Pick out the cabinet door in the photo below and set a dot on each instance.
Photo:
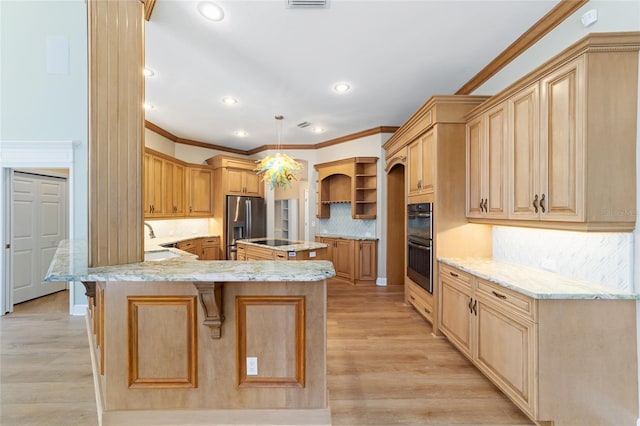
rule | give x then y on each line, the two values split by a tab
523	148
328	253
456	302
252	184
343	258
235	183
155	190
562	143
428	163
367	264
200	192
495	183
505	352
146	208
474	168
173	189
414	154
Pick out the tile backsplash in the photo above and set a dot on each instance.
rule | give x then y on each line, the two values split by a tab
341	223
604	258
178	227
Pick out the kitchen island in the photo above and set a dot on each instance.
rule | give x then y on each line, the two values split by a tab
280	249
176	340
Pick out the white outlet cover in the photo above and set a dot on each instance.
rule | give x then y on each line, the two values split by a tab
252	366
589	18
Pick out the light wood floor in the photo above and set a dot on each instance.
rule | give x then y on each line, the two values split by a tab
384	367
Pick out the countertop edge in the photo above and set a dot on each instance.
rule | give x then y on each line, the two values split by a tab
574	288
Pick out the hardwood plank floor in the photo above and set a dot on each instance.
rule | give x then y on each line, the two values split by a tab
384	367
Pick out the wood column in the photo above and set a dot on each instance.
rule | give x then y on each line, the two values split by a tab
116	126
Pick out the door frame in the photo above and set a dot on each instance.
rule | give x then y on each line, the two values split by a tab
31	154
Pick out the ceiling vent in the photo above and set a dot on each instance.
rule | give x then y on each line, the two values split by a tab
303	124
307	4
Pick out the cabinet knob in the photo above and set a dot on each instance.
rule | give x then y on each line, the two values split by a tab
535	203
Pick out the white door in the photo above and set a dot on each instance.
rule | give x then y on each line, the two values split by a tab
39	223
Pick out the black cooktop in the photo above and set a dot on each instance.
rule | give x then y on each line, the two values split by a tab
272	242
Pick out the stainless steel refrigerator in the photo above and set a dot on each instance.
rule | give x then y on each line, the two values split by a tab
246	218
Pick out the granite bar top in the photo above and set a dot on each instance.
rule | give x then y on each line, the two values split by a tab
70	264
294	246
533	282
155	244
348	237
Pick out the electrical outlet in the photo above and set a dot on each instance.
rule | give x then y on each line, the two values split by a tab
312	254
252	366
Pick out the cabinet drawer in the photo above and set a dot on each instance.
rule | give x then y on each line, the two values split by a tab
185	245
506	300
280	255
418	299
456	275
211	241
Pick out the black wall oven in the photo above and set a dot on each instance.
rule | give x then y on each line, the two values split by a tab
419	247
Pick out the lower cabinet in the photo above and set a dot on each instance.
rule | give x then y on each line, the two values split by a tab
210	248
420	299
355	261
205	248
552	357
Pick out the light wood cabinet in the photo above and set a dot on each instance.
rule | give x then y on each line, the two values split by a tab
236	175
193	246
210	248
199	191
353	260
545	354
421	165
571	140
486	164
154	190
351	180
421	300
175	189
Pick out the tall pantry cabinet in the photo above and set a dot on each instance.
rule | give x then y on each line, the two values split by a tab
434	139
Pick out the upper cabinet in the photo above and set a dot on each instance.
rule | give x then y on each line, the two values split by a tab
486	164
569	153
236	175
421	159
351	180
175	189
199	191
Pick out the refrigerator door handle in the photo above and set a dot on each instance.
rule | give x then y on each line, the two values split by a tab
248	218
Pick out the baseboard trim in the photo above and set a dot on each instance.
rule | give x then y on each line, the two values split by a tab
78	310
381	281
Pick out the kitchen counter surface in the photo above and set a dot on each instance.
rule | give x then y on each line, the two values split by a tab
533	282
156	244
348	237
294	246
70	264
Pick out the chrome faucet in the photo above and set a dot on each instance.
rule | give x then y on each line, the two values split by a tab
151	233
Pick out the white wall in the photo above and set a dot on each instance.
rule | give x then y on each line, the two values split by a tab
39	106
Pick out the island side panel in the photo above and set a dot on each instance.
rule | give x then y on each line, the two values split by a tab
160	355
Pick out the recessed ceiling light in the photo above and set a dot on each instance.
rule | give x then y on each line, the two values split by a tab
148	72
241	133
317	129
147	105
228	100
341	87
211	11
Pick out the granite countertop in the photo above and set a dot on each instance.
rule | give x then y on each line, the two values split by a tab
348	237
70	264
294	246
533	282
156	244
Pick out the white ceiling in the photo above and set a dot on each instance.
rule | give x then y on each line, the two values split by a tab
277	60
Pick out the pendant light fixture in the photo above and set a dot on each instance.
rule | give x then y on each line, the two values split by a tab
278	169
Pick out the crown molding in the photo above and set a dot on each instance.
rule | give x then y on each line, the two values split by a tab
369	132
548	22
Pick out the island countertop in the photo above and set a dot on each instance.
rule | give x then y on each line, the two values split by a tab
533	282
70	264
294	246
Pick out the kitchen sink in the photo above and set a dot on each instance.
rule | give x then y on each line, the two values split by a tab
159	255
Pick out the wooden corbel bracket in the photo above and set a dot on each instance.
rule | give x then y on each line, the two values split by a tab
210	296
90	290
